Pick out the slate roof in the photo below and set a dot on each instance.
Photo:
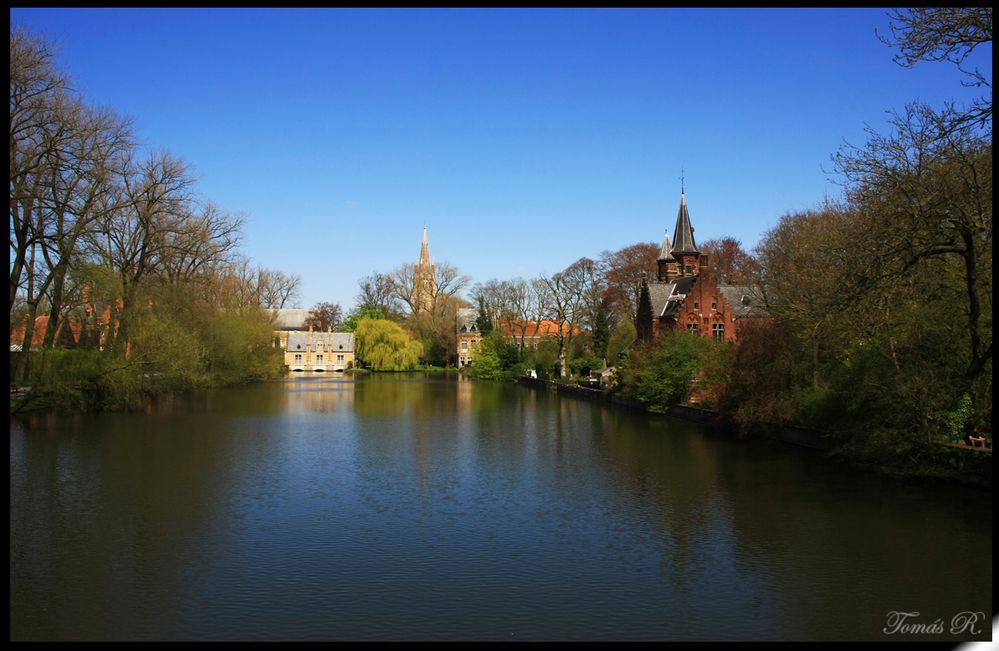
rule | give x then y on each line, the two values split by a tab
678	290
664	253
465	318
336	342
290	318
744	300
683	234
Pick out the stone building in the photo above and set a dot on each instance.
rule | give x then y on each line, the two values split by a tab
319	351
684	295
467	334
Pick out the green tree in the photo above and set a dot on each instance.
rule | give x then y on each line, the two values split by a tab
664	373
621	337
350	322
384	345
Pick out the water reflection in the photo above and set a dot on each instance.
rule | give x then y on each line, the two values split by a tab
432	507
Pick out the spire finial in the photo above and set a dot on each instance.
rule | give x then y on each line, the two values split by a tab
681	180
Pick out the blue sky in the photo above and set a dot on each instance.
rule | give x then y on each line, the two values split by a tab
523	138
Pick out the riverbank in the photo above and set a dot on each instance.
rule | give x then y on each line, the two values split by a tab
966	466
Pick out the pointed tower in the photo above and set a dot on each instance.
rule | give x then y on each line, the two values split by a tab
424	280
685	253
666	261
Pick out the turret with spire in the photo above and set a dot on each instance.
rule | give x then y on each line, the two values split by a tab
666	261
684	250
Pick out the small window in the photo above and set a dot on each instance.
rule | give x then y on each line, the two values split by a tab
298	346
693	327
714	304
697	305
718	331
341	346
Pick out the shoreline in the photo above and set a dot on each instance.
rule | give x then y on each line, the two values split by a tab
977	462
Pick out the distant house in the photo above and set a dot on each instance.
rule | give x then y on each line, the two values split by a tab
319	351
531	333
685	296
467	334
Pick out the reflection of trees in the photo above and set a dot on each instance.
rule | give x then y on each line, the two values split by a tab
389	394
109	516
824	531
777	535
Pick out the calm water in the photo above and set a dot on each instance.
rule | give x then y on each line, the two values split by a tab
397	507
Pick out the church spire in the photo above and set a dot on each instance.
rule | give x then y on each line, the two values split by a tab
425	249
683	234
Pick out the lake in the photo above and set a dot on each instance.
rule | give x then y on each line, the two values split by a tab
407	507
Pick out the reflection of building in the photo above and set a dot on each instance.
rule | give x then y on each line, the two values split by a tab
424	281
468	335
319	351
285	321
684	295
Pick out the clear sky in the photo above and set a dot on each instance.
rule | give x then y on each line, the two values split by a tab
523	138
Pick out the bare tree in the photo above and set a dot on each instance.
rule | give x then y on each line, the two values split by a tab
568	297
37	129
202	239
134	238
80	181
378	292
448	281
946	34
276	288
324	316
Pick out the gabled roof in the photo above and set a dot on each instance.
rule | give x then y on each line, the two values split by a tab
658	296
683	234
336	342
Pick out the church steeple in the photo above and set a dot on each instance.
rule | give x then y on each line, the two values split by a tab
425	249
424	279
684	248
683	234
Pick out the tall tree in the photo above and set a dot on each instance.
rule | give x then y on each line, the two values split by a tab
728	263
947	34
622	271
